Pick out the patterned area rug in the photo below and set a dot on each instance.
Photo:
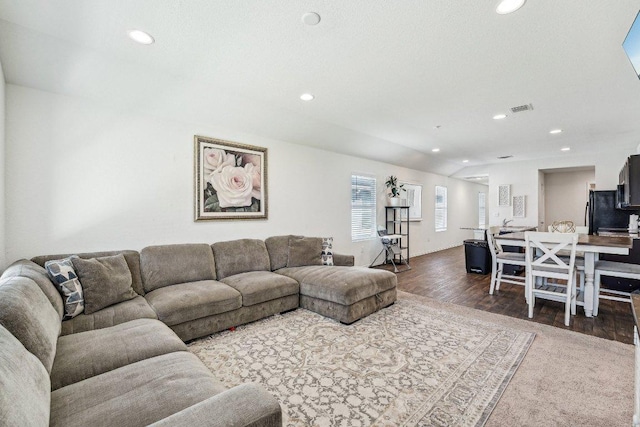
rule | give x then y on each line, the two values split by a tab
406	365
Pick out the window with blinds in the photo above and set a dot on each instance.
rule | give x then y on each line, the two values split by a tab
482	209
441	208
363	207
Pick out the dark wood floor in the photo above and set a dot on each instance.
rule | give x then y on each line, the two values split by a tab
442	276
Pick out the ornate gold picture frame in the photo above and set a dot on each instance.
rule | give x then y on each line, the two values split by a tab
230	180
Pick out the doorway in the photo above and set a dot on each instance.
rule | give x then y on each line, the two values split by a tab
565	194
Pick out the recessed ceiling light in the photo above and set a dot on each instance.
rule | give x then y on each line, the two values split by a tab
499	116
435	150
465	161
509	6
555	131
565	149
140	37
311	18
306	97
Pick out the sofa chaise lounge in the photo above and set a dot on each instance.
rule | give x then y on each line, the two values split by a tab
126	364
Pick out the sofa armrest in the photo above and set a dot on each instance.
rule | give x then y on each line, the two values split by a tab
343	260
246	405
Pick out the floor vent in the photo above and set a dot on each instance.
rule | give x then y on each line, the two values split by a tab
520	108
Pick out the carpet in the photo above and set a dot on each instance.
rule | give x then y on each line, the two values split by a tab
566	379
406	365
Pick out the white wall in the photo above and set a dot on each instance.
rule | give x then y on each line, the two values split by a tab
524	178
566	195
82	177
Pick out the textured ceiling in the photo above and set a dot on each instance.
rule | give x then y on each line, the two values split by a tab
384	74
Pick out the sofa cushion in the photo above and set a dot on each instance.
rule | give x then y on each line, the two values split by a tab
25	395
327	251
39	275
342	285
188	301
240	256
172	264
105	281
27	313
136	308
132	257
135	395
87	354
304	251
261	286
247	404
64	276
278	248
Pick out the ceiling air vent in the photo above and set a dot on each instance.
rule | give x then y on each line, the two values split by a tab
505	157
521	108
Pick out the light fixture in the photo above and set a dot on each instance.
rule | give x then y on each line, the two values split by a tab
465	161
509	6
306	97
435	150
311	18
499	116
565	149
140	37
555	131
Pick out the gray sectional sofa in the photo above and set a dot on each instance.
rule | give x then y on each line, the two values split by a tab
126	364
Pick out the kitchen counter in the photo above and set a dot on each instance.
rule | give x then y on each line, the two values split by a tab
517	228
635	308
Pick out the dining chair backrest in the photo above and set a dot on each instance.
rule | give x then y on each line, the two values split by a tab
494	247
582	229
563	227
543	253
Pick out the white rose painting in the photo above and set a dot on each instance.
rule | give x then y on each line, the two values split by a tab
231	180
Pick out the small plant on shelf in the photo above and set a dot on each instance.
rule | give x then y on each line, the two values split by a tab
394	190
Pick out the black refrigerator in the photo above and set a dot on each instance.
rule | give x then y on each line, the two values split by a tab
602	212
603	215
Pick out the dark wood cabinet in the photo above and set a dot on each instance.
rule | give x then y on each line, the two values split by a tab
629	180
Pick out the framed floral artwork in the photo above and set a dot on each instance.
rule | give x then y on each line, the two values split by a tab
230	180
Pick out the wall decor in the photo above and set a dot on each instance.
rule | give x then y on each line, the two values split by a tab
413	196
230	180
519	207
504	195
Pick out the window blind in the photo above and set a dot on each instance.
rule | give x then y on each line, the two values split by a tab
441	208
482	209
363	207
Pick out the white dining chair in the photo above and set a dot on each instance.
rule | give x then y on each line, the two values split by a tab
612	269
579	229
544	263
500	258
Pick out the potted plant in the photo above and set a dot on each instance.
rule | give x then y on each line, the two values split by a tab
394	190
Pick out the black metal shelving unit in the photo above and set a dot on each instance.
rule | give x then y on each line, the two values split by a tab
397	222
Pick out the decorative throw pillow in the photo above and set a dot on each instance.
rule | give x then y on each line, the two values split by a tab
105	281
327	251
304	251
65	278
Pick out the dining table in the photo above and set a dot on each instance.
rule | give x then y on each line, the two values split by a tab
592	246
